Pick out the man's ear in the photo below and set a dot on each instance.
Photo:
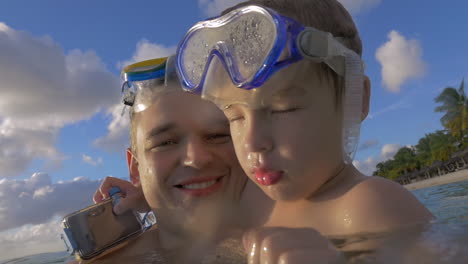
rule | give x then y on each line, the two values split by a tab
366	98
132	164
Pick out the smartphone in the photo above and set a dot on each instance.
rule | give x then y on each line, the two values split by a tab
96	229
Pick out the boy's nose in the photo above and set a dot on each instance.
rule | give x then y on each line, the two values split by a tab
197	155
257	137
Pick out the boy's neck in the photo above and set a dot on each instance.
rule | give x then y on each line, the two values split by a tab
311	212
345	177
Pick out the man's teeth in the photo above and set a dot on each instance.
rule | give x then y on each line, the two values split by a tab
201	185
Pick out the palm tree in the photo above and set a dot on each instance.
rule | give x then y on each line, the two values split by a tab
405	159
454	104
435	146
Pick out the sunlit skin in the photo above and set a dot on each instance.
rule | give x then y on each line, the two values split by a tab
293	142
254	207
175	149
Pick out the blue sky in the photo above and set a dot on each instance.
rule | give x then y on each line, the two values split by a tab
60	124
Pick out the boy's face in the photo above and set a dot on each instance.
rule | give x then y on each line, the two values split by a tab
185	158
292	143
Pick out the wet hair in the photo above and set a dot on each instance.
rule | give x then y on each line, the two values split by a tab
132	131
325	15
173	81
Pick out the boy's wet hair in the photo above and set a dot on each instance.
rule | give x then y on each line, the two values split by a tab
325	15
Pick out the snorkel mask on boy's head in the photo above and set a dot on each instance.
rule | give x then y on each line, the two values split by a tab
227	59
145	80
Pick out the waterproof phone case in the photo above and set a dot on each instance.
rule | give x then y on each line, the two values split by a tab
95	229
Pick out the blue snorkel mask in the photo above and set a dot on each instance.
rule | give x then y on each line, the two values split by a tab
227	59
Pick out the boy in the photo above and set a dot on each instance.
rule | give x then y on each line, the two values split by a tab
295	96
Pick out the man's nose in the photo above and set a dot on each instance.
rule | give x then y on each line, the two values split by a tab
197	154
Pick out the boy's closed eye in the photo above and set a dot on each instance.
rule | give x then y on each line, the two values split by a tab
233	115
235	118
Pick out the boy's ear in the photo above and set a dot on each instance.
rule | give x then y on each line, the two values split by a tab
366	98
132	164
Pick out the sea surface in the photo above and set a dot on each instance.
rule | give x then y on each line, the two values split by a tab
445	241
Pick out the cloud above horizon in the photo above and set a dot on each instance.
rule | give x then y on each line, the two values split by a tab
401	60
367	166
37	200
31	239
91	161
117	138
43	89
146	50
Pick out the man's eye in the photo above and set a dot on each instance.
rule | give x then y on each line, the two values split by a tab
219	138
158	146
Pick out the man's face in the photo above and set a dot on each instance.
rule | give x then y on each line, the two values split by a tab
291	143
185	157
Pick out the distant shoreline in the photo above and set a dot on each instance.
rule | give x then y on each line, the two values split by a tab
444	179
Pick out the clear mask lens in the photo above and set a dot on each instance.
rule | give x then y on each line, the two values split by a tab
242	38
144	82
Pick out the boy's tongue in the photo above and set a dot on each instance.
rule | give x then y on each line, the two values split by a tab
267	177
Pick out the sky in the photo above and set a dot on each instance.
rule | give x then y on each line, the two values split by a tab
61	128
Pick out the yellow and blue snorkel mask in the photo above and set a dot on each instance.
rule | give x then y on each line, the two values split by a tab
246	46
144	81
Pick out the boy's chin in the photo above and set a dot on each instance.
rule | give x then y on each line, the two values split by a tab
283	192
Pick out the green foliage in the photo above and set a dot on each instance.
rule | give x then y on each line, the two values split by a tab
454	105
436	146
404	161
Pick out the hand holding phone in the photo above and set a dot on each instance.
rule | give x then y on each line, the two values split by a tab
96	229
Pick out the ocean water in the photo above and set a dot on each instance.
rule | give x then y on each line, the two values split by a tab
443	241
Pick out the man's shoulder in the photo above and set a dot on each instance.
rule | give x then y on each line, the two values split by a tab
131	251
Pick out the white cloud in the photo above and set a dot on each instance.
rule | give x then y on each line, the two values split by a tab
146	50
89	160
357	6
118	136
36	200
42	192
367	166
31	239
19	146
401	60
389	150
44	89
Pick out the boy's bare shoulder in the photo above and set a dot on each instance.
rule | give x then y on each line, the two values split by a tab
377	204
